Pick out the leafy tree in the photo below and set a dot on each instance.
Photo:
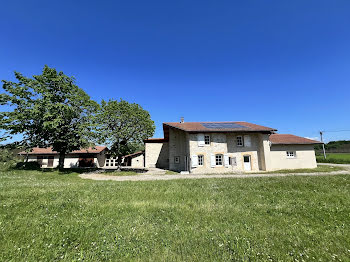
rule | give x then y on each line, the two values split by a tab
48	110
122	126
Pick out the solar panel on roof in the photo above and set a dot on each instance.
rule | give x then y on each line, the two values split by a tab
222	125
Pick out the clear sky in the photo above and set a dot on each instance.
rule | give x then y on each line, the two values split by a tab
283	64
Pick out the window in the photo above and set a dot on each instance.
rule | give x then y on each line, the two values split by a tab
239	141
177	160
107	162
247	141
218	160
232	161
200	160
290	154
207	140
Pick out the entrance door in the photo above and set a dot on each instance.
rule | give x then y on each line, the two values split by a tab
50	161
247	165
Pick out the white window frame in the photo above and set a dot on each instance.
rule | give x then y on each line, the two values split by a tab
205	140
291	154
239	138
216	159
200	160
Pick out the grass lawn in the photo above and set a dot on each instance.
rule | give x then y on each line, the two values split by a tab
337	158
308	170
47	216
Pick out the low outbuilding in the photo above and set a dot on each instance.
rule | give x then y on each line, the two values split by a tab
88	157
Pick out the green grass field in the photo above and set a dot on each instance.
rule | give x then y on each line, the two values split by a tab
47	216
337	158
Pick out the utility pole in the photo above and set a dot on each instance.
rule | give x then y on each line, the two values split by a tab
324	151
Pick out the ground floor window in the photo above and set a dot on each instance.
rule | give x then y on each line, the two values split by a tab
111	161
218	159
177	160
290	154
232	161
200	160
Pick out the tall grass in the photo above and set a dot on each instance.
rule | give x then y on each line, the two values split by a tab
336	158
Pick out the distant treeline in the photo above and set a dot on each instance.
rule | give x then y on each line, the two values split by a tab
341	146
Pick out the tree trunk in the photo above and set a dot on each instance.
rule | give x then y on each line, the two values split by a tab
119	161
61	160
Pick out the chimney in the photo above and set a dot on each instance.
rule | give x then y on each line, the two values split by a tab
182	120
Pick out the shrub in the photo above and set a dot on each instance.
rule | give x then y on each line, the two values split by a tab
28	165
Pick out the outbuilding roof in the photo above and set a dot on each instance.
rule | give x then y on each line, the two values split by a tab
287	139
134	154
219	127
49	151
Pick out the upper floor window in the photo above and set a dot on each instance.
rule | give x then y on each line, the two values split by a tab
200	160
239	141
291	154
207	140
218	160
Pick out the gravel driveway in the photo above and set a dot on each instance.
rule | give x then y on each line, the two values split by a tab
150	177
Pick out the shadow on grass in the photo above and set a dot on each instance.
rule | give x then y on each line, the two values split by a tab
34	166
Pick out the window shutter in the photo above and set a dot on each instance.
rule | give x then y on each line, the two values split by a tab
247	141
194	161
212	160
226	161
200	139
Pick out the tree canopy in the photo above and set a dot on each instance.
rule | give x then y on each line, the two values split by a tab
49	110
122	126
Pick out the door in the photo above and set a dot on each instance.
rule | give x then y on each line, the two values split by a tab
50	161
247	165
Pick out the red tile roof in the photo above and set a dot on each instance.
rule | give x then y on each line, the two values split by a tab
198	127
284	139
48	151
134	154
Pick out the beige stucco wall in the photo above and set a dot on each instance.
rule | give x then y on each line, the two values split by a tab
305	157
178	147
264	152
224	143
157	155
138	161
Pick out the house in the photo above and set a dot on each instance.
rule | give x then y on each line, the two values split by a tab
89	157
135	160
219	147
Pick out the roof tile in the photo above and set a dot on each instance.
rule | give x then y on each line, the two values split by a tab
198	127
285	139
48	150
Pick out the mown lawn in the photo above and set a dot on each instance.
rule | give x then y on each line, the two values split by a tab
318	169
46	216
337	158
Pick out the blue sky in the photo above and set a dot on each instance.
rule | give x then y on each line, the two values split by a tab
283	64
